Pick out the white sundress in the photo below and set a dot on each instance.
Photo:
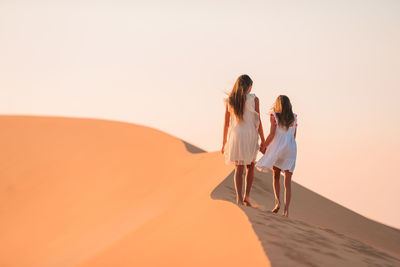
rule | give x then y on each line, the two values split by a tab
282	150
242	145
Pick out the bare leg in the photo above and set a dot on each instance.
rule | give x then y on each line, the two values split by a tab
277	188
288	192
238	183
249	182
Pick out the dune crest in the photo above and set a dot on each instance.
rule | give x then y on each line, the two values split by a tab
88	192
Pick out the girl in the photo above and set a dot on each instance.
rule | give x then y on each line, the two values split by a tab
280	149
240	143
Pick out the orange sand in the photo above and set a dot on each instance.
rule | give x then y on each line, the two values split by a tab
102	193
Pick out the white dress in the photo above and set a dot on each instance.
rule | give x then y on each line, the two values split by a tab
282	151
242	145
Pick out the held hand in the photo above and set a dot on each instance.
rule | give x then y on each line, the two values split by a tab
263	147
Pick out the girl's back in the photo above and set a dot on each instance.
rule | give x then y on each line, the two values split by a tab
283	133
281	150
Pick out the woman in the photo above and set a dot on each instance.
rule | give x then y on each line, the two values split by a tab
241	130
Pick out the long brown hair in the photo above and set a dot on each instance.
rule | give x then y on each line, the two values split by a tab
283	110
237	97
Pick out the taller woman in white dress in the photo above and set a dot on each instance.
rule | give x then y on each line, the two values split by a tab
281	149
241	130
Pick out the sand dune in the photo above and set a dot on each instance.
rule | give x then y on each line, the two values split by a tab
88	192
102	193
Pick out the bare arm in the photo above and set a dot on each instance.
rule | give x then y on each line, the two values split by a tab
260	128
226	126
271	135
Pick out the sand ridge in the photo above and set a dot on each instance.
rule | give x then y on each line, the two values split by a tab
87	192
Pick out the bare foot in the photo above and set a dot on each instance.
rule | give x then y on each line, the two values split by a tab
247	203
239	202
276	209
286	213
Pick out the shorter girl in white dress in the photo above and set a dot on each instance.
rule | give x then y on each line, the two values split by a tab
280	149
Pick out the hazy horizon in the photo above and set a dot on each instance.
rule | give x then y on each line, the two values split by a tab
168	65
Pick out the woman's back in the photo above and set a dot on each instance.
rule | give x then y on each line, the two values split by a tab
250	116
242	145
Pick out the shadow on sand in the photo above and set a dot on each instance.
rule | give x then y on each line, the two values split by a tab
294	242
193	149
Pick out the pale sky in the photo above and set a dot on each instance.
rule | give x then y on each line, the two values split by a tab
167	64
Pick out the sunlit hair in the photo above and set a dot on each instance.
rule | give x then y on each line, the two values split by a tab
237	97
283	110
